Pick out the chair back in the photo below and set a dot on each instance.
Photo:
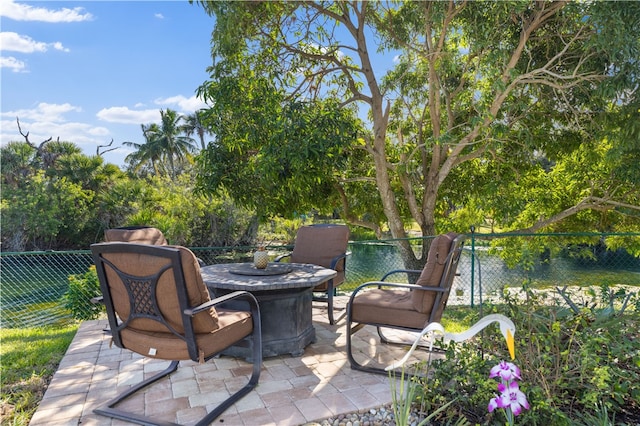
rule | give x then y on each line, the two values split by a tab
146	291
439	271
136	234
320	245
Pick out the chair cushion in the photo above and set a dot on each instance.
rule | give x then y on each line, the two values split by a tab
432	272
392	307
319	244
145	235
233	326
142	265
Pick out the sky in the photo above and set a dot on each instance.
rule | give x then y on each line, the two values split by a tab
89	72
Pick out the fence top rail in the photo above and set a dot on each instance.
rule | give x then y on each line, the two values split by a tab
368	242
510	234
47	252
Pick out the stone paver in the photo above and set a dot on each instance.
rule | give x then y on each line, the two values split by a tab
292	390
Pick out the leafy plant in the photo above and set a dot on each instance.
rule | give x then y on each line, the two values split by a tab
404	395
571	360
82	288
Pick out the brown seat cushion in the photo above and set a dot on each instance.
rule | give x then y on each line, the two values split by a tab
151	236
319	245
233	326
392	307
432	273
143	265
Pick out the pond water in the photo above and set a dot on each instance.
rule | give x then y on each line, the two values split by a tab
33	283
370	261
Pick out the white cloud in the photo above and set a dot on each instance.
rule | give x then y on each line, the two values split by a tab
44	112
15	42
159	15
58	46
24	12
128	116
48	121
12	63
184	105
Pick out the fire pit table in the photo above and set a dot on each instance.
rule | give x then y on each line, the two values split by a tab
284	293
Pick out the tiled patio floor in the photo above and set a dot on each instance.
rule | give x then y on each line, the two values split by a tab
291	391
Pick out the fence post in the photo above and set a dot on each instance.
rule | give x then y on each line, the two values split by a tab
473	259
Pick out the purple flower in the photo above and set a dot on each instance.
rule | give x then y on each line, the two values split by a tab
505	370
510	398
513	398
500	401
495	403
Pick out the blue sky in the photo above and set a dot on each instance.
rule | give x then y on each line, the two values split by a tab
92	71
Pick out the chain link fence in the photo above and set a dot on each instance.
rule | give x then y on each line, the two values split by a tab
32	285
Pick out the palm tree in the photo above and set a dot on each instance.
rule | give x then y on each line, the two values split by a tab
17	162
175	146
164	144
193	125
146	154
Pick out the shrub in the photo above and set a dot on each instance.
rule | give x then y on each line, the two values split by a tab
77	299
575	360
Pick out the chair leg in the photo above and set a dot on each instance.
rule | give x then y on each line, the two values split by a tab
332	319
256	356
256	343
109	410
355	365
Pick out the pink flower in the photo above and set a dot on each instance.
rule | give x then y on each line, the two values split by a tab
505	370
513	398
510	398
500	401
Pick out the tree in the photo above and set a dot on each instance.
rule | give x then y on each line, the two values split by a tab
500	87
193	125
147	154
164	144
272	156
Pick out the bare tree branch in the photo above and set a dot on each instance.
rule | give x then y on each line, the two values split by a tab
99	154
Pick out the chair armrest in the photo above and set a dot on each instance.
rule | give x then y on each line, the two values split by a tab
336	259
242	295
282	256
399	271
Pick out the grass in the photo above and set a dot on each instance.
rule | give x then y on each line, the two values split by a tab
29	359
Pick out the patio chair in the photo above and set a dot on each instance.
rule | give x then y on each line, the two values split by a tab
158	306
136	234
401	306
324	245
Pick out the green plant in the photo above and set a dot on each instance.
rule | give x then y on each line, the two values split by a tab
405	394
599	418
572	360
582	355
82	288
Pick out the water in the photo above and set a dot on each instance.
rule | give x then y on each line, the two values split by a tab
370	261
32	284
